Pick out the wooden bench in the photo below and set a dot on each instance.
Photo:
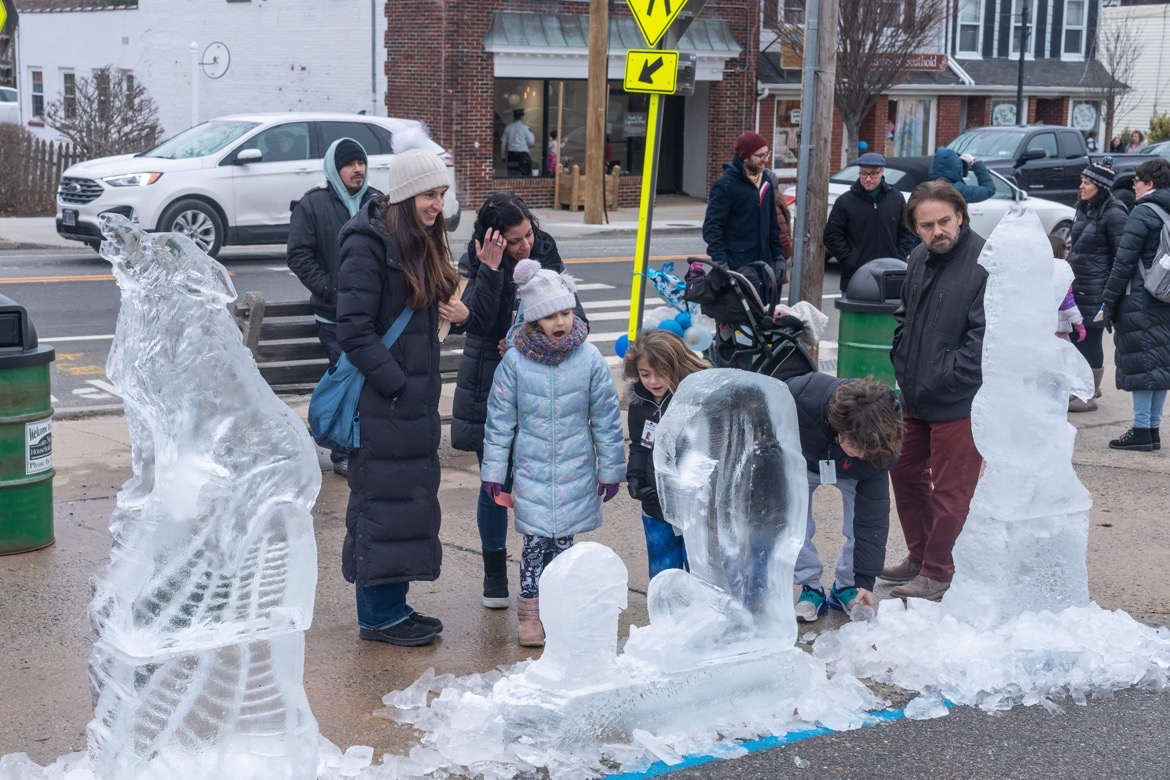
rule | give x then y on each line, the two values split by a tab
571	188
282	337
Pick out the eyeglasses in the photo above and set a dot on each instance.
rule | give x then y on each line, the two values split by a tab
871	174
764	155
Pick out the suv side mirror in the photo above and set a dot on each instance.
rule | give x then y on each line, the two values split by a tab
246	156
1032	154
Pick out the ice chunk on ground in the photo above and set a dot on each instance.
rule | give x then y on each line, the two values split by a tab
926	707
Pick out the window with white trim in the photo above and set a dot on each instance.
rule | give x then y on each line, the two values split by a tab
1075	12
69	93
1018	26
970	28
37	80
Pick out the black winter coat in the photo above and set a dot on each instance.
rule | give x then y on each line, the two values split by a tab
392	523
938	340
818	441
1096	234
740	226
314	244
860	229
490	298
640	467
1141	323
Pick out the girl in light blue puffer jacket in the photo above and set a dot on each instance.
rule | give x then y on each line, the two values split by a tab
553	404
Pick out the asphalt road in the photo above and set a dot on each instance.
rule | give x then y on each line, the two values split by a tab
73	299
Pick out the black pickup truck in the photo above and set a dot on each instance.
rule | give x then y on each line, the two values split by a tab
1045	160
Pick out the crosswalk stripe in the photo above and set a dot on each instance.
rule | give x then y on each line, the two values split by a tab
594	286
649	303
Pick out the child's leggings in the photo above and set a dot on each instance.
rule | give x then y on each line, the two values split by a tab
538	552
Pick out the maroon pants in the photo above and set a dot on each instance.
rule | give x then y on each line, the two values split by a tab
934	481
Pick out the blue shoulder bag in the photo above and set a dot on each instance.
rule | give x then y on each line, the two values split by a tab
333	409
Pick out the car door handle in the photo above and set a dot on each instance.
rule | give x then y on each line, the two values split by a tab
303	170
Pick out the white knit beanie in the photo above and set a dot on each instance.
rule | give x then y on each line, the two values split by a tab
416	168
543	292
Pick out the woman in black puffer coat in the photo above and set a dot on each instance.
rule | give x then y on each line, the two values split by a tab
1141	322
505	233
1096	235
394	255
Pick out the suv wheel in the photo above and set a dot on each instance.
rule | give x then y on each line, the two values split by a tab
1063	231
197	221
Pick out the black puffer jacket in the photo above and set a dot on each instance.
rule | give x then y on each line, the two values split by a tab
938	341
314	244
392	523
818	441
1096	235
640	466
740	225
491	298
862	227
1141	323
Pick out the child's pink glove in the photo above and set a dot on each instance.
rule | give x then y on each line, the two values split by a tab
607	490
1080	330
493	489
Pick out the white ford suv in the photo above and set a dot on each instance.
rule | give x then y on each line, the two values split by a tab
227	181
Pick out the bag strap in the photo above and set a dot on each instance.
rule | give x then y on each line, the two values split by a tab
397	328
1162	247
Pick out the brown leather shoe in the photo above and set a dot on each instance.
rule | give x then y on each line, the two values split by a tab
902	572
921	587
531	629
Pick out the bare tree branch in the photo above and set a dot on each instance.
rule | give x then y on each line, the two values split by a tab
110	113
1118	50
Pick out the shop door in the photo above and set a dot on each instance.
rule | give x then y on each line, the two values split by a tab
670	152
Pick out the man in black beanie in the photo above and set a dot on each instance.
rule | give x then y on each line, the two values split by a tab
313	247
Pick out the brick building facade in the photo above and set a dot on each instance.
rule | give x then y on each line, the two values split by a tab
475	62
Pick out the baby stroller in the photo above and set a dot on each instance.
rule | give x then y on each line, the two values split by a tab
750	335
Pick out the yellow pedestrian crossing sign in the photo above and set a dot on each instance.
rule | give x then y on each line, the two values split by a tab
651	70
654	17
3	14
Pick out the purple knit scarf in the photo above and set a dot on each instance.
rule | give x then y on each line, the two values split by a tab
534	345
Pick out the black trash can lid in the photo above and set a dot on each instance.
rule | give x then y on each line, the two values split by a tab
18	338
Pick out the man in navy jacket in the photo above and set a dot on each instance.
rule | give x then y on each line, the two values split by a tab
741	225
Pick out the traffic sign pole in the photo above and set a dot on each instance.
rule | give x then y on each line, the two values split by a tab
645	213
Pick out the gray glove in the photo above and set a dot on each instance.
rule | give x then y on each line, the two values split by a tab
968	158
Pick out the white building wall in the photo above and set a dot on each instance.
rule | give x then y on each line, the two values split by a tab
291	55
1151	76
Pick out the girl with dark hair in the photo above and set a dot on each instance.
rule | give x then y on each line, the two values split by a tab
505	233
1096	234
395	263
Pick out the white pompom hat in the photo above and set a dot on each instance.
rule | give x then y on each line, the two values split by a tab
416	168
543	292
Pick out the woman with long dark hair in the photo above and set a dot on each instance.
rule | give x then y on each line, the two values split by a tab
1096	234
505	233
394	256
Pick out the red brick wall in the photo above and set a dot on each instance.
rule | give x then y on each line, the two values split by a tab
978	111
950	118
1052	111
873	126
767	118
439	73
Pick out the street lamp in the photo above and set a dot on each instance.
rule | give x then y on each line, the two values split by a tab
1021	113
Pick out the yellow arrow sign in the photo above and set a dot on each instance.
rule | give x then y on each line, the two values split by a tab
651	70
654	17
3	14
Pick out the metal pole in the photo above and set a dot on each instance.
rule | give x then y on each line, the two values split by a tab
646	214
194	49
1021	112
804	157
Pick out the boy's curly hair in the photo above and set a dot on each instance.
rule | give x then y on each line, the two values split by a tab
868	414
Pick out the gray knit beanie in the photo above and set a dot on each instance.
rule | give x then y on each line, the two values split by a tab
543	292
416	168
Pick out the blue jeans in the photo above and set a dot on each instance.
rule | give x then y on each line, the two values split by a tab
664	548
1147	408
492	518
382	606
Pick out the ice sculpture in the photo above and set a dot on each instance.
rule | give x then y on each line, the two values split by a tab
197	670
1025	539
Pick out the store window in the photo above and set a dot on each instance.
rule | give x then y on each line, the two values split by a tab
547	104
37	77
1086	116
908	127
1074	28
786	136
970	27
1003	112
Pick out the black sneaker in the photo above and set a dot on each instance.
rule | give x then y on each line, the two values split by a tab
1156	436
1138	439
341	467
426	620
408	633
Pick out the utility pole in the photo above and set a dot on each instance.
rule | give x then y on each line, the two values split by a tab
816	139
1025	30
595	111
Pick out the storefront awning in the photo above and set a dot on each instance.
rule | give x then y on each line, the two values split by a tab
557	45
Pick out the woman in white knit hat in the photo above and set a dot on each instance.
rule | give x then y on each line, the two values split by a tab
396	267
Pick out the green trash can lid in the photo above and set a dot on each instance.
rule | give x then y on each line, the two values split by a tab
18	338
875	287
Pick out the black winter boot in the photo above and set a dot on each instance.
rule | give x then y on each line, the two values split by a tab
1138	439
1157	439
495	579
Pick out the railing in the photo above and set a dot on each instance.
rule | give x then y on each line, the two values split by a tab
33	169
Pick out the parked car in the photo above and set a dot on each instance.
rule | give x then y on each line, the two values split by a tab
1045	160
9	105
906	173
1162	149
227	181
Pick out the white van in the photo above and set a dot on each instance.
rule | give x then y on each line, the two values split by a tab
227	181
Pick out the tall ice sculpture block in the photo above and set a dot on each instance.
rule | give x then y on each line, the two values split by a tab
1023	546
198	665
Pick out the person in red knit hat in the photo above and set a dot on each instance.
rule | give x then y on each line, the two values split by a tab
741	225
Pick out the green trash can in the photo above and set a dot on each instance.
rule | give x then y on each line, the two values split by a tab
865	331
26	434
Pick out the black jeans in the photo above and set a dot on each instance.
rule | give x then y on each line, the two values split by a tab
1091	347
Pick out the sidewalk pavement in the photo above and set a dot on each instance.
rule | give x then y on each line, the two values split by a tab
671	213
